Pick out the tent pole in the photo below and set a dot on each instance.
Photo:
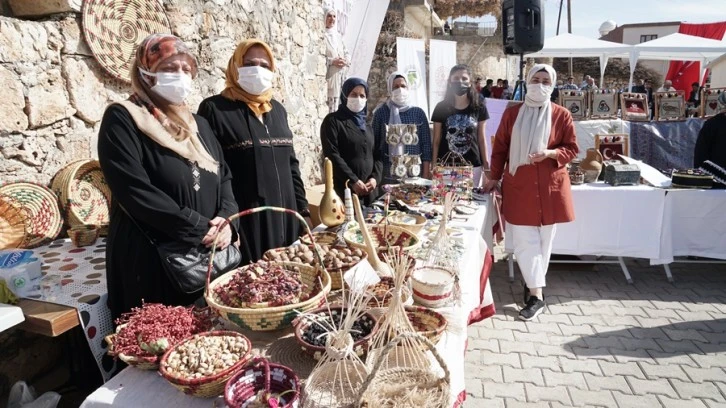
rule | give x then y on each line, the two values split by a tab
569	27
559	17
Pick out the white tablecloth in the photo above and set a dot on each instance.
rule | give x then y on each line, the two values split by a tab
137	388
613	221
694	224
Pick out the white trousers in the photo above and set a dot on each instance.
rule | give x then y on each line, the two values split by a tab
532	247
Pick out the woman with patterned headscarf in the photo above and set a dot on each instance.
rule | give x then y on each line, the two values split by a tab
257	141
534	142
336	58
349	143
166	173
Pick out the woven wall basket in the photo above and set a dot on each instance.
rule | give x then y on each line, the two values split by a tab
41	206
113	29
13	222
84	196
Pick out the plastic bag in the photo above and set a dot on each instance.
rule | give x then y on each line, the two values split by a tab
24	396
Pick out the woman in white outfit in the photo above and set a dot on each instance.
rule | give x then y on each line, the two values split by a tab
336	58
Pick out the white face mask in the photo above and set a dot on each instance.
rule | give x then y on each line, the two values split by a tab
255	80
172	86
400	96
356	104
538	94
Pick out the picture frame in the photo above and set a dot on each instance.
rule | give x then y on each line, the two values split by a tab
603	104
634	106
575	102
709	101
670	106
613	144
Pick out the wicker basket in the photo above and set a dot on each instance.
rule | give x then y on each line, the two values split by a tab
433	286
396	237
304	322
83	193
398	221
13	224
336	274
83	235
40	205
142	363
261	375
207	386
323	391
277	317
427	322
320	237
397	386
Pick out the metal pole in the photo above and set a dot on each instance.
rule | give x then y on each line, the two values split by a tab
559	17
569	26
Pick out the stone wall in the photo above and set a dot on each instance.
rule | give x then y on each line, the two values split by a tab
55	92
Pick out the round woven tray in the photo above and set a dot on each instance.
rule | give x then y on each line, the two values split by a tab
83	193
41	205
394	236
261	375
113	29
13	221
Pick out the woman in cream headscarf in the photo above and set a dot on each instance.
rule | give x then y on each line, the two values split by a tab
533	144
166	174
258	146
336	59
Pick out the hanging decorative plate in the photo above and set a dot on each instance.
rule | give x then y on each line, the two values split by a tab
113	29
83	194
41	204
12	224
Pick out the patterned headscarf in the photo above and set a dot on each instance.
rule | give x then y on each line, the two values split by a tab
259	104
178	130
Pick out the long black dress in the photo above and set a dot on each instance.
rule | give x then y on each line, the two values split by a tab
156	186
265	169
711	142
355	154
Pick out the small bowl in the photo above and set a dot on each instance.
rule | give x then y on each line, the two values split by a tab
84	235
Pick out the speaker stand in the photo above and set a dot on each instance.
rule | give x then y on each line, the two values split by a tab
520	90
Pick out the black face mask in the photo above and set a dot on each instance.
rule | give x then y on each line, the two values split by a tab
460	88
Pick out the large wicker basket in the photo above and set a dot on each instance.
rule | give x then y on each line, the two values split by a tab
360	347
83	194
206	386
277	317
40	205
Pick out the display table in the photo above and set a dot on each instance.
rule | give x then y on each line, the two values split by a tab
133	387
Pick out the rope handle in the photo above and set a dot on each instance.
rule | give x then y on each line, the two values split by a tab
210	266
386	350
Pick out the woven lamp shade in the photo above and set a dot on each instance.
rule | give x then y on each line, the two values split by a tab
113	29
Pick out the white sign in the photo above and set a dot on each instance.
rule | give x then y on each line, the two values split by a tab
412	62
441	59
362	26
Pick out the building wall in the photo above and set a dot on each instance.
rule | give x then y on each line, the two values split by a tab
718	74
631	36
55	92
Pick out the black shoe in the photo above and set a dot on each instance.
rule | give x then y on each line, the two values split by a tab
534	307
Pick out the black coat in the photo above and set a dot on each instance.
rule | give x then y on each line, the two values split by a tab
265	169
711	142
156	186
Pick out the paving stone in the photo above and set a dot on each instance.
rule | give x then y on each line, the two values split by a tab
681	346
679	403
659	386
692	390
582	330
599	341
609	383
580	366
701	307
630	369
664	358
587	319
474	387
705	374
511	403
658	371
714	338
511	359
518	375
653	322
628	311
549	362
640	356
519	326
558	394
640	344
540	338
564	310
670	305
712	404
571	379
694	316
622	321
515	391
583	398
484	344
593	353
489	334
537	327
636	401
554	318
523	347
662	313
590	310
485	372
547	350
473	402
695	335
648	333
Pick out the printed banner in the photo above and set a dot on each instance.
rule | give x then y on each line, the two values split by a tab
442	56
362	26
412	62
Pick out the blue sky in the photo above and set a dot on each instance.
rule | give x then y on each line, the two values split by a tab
587	15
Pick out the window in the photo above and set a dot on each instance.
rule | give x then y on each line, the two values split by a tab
648	37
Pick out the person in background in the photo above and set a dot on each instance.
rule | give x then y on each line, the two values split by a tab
350	144
252	128
478	85
570	85
585	81
447	28
649	92
667	86
590	84
167	174
711	142
460	122
507	92
533	144
639	87
695	98
555	97
498	90
396	110
337	59
487	90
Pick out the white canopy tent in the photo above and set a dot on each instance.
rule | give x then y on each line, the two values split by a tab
570	45
677	47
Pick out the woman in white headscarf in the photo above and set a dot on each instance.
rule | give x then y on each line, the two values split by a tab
533	144
397	110
336	59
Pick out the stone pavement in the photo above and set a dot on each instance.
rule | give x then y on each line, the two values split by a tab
602	342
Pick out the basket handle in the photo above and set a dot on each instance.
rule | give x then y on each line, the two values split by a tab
386	350
261	361
241	214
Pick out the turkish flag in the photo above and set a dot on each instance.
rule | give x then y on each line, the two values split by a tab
684	73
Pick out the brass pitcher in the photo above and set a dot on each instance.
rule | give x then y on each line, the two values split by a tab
332	212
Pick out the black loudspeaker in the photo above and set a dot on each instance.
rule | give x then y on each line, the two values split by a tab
522	26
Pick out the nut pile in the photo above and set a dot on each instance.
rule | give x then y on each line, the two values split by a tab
204	356
315	333
261	283
333	257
